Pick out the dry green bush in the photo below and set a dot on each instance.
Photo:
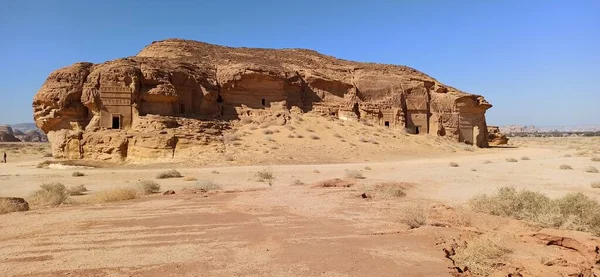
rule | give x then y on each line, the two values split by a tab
76	190
596	159
591	169
415	216
265	175
51	194
78	174
487	162
525	158
453	164
115	194
574	211
480	255
148	187
353	174
314	137
565	167
207	185
511	160
169	174
596	184
9	206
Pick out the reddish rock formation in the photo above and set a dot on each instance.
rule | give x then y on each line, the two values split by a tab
7	134
103	110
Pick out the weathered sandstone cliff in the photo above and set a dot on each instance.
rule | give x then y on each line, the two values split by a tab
180	93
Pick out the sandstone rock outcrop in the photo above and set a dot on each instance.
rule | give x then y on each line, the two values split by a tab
7	134
189	90
495	137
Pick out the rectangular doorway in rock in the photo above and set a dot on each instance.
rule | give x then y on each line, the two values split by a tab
116	121
182	107
263	102
417	130
387	124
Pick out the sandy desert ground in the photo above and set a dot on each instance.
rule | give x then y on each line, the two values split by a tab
296	227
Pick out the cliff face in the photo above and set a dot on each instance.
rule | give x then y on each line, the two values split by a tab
199	81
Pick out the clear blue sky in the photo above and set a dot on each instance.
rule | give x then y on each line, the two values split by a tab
537	62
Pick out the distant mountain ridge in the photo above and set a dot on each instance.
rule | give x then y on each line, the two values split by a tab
507	129
24	132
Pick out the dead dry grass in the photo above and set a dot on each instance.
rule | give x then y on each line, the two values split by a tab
76	190
353	174
207	185
591	169
595	159
190	178
574	211
169	174
78	174
9	206
453	164
334	183
511	160
49	195
596	185
480	255
147	187
565	167
415	216
265	175
114	195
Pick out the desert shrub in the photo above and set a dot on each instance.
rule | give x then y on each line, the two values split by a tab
9	206
310	130
567	155
229	158
190	178
353	174
267	132
268	138
596	159
565	167
207	185
77	174
316	171
334	183
393	191
113	195
473	169
487	162
525	158
480	255
51	194
337	135
44	164
368	168
291	136
314	137
591	169
363	140
214	172
415	217
453	164
265	175
511	160
76	190
574	211
596	184
169	174
297	183
299	136
148	187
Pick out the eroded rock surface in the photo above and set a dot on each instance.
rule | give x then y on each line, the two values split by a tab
7	134
495	137
180	93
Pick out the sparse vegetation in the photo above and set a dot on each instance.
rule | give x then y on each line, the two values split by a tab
574	211
565	167
267	132
525	158
297	183
511	160
314	137
78	174
51	194
453	164
591	169
113	195
169	174
76	190
337	135
368	168
47	155
265	175
596	159
299	136
9	206
316	171
567	155
189	179
229	158
487	162
44	164
207	185
415	217
268	138
310	130
480	255
149	187
353	174
214	172
596	184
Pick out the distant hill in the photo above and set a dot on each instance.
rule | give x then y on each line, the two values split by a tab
24	126
25	132
508	129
